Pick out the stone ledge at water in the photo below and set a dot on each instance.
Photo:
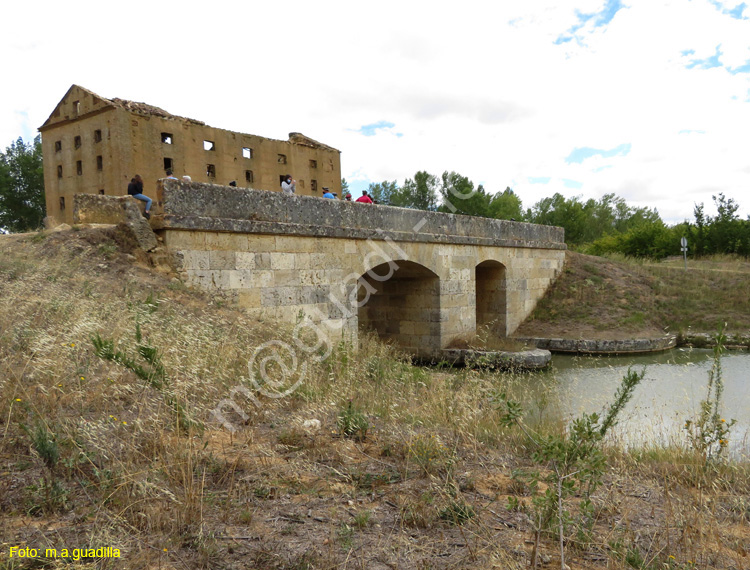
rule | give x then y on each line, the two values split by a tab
583	346
534	359
737	341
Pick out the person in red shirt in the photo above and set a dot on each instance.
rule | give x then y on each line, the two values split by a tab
364	198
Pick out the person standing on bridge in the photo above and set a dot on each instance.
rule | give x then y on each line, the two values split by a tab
364	198
288	185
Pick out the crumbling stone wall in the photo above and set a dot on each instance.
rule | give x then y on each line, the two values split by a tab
125	210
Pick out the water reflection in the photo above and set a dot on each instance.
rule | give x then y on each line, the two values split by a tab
671	391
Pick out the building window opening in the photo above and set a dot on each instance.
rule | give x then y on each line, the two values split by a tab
282	159
99	163
247	152
98	135
301	184
62	203
101	191
314	185
76	107
211	171
58	146
209	145
79	167
77	142
249	176
168	164
313	164
59	170
166	138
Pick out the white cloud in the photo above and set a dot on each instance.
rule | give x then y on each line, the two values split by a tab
474	87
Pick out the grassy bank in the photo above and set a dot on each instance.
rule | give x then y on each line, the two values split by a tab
597	297
109	372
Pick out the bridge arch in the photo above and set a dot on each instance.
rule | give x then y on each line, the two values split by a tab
491	301
401	303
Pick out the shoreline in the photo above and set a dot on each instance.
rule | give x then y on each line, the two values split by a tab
606	347
539	355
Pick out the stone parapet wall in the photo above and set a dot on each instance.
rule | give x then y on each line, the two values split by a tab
219	208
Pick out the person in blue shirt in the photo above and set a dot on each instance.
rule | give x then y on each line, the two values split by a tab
328	194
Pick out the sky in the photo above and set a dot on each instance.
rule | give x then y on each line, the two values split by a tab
647	99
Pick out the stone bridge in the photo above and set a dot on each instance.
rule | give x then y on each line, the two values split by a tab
423	280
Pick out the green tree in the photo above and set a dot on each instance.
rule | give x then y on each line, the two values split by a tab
460	197
344	187
22	186
419	193
723	233
698	232
586	222
385	192
726	231
563	212
506	205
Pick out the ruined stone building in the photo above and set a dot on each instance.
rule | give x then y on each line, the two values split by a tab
95	145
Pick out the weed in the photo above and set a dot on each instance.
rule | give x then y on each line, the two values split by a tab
371	481
515	505
362	519
457	512
419	512
346	536
38	237
352	423
263	492
48	496
708	434
177	285
152	372
150	305
107	250
428	452
44	443
576	465
292	438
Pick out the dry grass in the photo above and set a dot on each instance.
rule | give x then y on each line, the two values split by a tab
280	492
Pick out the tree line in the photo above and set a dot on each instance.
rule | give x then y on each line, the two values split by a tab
598	227
22	186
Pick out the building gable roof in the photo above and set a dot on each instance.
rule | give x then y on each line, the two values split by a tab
99	103
76	92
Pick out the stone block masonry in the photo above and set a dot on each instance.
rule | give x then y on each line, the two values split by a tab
98	209
419	279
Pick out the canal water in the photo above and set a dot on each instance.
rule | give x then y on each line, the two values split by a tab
674	385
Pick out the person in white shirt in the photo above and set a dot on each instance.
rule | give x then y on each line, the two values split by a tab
288	185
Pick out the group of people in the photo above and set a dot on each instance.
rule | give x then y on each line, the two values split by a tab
289	187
